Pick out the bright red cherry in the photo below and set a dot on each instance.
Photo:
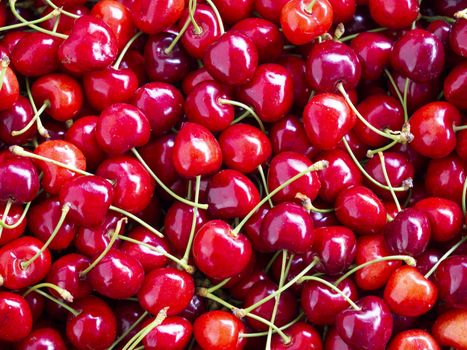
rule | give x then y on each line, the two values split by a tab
14	214
455	86
16	321
174	333
9	92
43	338
445	178
19	180
450	278
394	14
457	37
302	337
153	17
413	339
450	328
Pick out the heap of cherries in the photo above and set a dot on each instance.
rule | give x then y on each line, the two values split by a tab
233	174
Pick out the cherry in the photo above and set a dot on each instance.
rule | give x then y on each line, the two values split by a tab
369	327
196	151
334	342
413	339
196	77
216	245
13	217
10	40
9	89
173	333
218	330
234	11
232	59
19	180
455	86
303	21
270	9
302	336
166	287
161	103
449	328
409	293
17	117
13	257
153	17
327	118
94	325
394	14
359	209
244	147
16	322
43	338
343	10
134	61
450	280
457	37
65	25
297	68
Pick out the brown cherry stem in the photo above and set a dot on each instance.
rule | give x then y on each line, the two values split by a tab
138	337
386	177
445	256
64	294
461	14
17	223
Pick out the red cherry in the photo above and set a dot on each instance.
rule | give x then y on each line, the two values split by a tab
297	70
19	180
153	17
457	37
288	134
16	322
43	337
9	92
450	278
65	24
334	341
13	216
413	339
15	118
174	333
394	14
455	85
302	337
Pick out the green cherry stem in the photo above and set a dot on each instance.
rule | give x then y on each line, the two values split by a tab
137	220
240	117
56	23
265	184
65	209
445	256
459	128
186	255
386	177
191	10
224	101
271	261
406	258
372	152
163	185
58	302
218	16
35	120
308	205
404	100
309	7
438	18
464	195
8	205
122	54
398	93
54	13
353	36
133	326
64	294
29	93
17	223
218	286
177	38
66	13
284	327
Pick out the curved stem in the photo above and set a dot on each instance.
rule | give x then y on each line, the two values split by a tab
64	294
284	327
191	12
65	210
445	256
50	15
137	220
317	166
464	192
271	261
186	267
308	205
218	16
371	153
194	220
386	177
218	286
17	223
101	256
40	129
160	183
8	205
265	184
66	13
353	36
31	99
58	302
130	42
225	101
177	38
240	118
138	337
438	18
133	326
406	258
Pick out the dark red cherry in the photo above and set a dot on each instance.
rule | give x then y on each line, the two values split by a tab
297	69
303	337
65	24
232	59
16	118
232	11
450	278
166	287
270	92
19	180
359	209
43	338
173	333
288	134
455	86
16	321
288	226
91	46
394	14
14	214
334	342
457	37
419	55
196	151
95	327
9	92
156	16
327	118
134	60
161	103
343	10
244	147
10	39
330	63
413	339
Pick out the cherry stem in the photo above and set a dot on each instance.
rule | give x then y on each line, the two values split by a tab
445	256
137	220
191	12
377	183
240	118
218	16
464	191
64	294
4	64
65	209
386	177
8	205
32	25
56	23
334	288
120	57
284	287
113	237
406	258
66	13
353	36
218	286
459	128
20	151
461	14
17	223
50	15
372	152
138	337
133	326
186	267
163	185
404	100
265	184
35	119
339	31
284	327
317	166
271	261
309	7
177	38
225	101
186	255
438	18
31	99
74	312
308	205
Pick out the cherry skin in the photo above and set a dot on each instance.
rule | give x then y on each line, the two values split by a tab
95	327
153	17
218	330
303	337
457	37
455	86
334	342
288	134
394	14
13	254
43	338
302	24
65	273
409	293
161	103
9	92
16	321
244	147
173	333
134	60
66	23
196	151
449	329
194	78
166	287
297	68
327	118
13	216
367	328
232	11
413	339
16	118
359	209
117	275
19	180
232	59
215	246
133	186
450	280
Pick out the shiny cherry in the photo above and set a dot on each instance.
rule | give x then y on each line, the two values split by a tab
174	333
16	118
450	327
413	339
16	322
19	180
394	14
156	16
302	337
455	85
14	214
450	278
9	92
43	338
